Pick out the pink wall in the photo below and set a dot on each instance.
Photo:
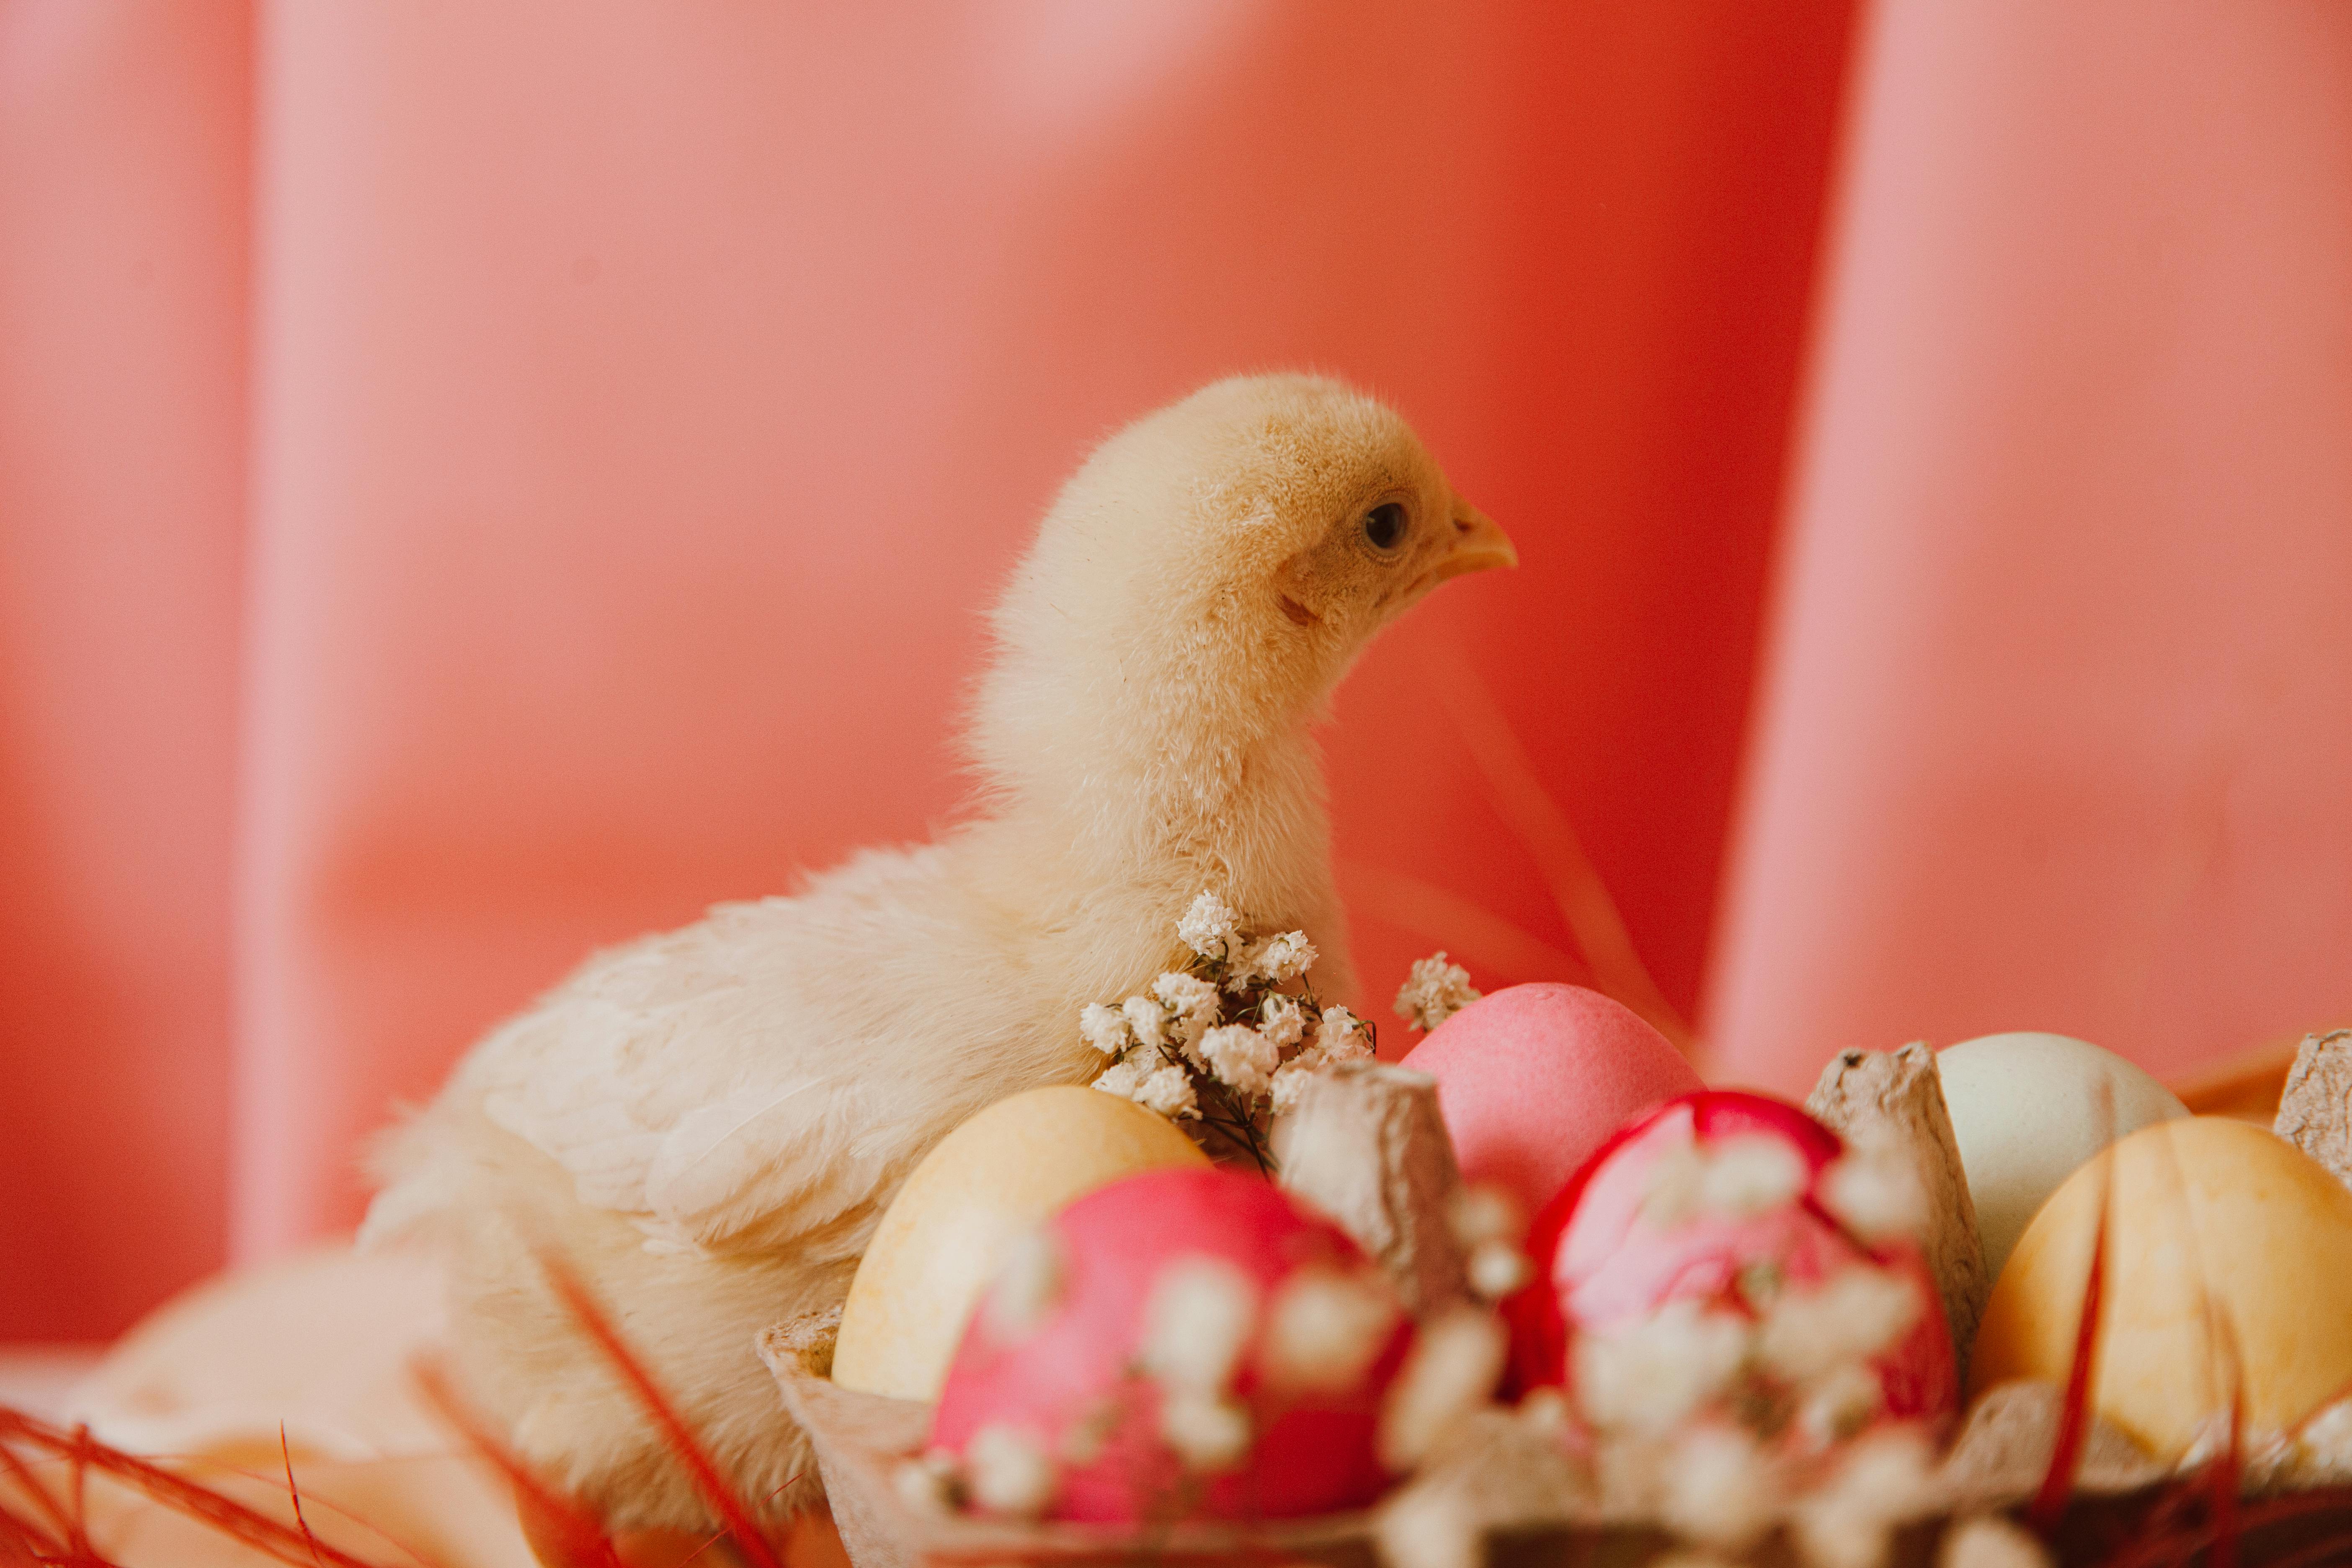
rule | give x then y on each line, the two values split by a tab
2058	729
643	402
124	126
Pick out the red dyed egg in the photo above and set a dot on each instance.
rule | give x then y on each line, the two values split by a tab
1182	1343
1639	1228
1532	1080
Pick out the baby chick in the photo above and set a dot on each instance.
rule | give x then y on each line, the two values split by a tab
708	1124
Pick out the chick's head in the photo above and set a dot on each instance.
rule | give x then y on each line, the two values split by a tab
1229	555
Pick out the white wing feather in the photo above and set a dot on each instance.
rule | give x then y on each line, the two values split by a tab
720	1084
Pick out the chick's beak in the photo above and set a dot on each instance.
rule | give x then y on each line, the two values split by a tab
1477	544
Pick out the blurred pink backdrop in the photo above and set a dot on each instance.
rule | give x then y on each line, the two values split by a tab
480	481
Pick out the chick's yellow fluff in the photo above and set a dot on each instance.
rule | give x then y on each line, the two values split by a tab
707	1124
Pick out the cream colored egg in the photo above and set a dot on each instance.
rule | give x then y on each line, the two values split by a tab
1001	1174
2202	1210
2027	1111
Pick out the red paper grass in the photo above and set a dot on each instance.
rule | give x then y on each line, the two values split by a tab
581	1537
722	1498
44	1525
50	1529
1551	840
2049	1505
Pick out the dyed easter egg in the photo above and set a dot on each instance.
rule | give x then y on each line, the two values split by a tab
1721	1211
1183	1344
1532	1078
2027	1111
996	1176
2202	1212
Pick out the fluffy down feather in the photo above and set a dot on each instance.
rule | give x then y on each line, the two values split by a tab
708	1124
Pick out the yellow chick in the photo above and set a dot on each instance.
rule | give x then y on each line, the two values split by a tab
709	1123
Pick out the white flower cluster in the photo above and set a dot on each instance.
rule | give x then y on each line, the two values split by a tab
1196	1324
1486	1221
1206	1326
1434	990
1734	1178
1726	1416
1220	1041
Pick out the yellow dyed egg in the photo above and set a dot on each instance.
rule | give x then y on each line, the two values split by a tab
2200	1210
1002	1174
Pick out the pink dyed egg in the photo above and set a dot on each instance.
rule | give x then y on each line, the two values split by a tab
1532	1080
1180	1343
1719	1199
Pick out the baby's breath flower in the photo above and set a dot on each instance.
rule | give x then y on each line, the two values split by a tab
1197	1320
1209	927
1433	991
1241	1057
1284	1021
1028	1285
1497	1268
1672	1186
1718	1489
1289	1082
1483	1212
1169	1091
1989	1541
1453	1367
1010	1471
1650	1376
1734	1179
1884	1482
1853	1316
1877	1194
1324	1329
1432	1527
928	1484
1749	1175
1833	1408
1341	1036
1544	1409
1207	1433
1193	999
1104	1028
1283	957
1122	1078
1148	1018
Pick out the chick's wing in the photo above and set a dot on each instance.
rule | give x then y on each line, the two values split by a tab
726	1085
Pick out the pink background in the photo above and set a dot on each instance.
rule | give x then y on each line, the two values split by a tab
481	480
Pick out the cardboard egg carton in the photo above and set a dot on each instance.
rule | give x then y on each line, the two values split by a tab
1366	1145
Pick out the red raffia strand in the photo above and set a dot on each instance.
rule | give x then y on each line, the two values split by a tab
2162	1542
1551	840
23	1541
30	1484
2227	1470
294	1493
1474	935
79	1510
2225	1479
584	1538
16	1550
2049	1505
2330	1550
226	1514
717	1536
680	1436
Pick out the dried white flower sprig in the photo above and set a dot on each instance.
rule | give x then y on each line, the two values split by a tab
1434	990
1228	1040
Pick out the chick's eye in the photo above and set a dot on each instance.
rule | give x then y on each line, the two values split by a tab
1384	526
